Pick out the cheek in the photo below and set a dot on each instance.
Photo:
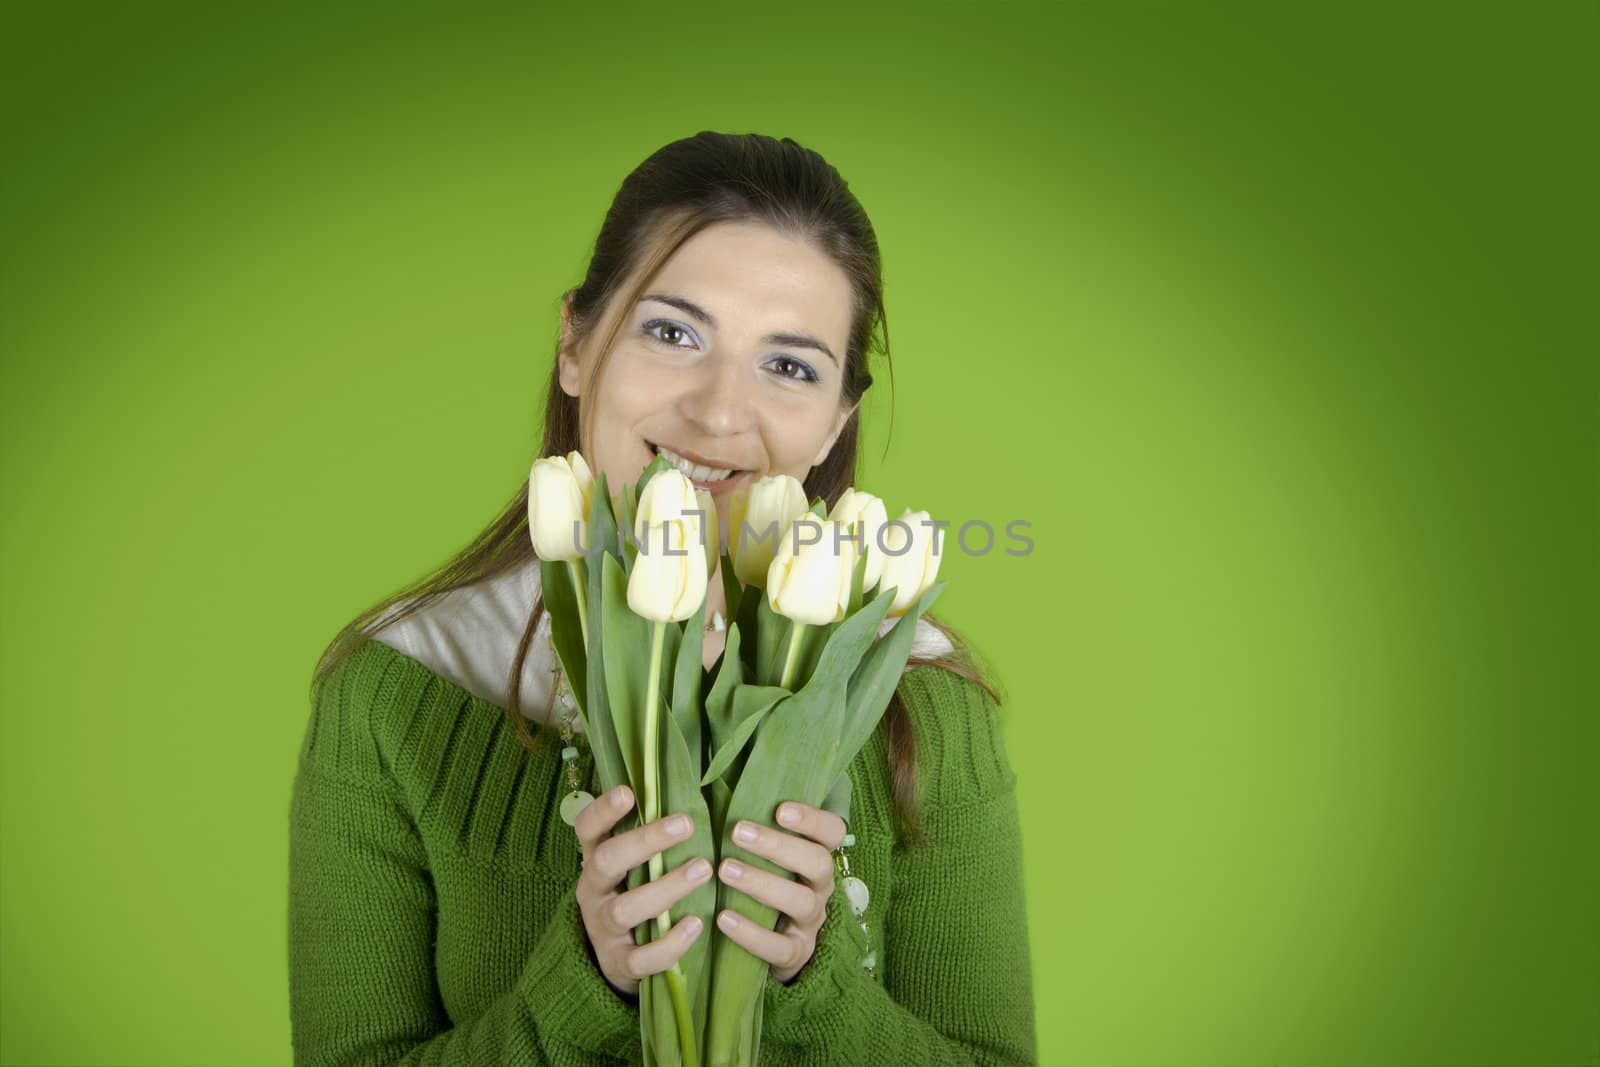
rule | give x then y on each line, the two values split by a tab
633	388
629	395
796	432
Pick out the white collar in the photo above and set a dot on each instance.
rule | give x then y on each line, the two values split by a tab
469	636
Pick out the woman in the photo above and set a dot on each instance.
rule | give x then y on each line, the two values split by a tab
440	911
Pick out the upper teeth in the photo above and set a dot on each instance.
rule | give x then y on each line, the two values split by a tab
693	470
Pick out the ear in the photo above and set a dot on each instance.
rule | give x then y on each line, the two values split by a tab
567	357
838	428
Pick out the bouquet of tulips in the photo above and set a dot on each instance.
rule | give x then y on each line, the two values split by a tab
822	607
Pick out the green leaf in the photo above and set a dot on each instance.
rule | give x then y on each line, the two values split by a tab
627	666
566	633
602	730
772	642
751	703
730	675
793	747
686	681
726	710
848	641
800	751
602	523
755	1030
681	794
719	796
838	798
629	550
875	679
661	1029
793	751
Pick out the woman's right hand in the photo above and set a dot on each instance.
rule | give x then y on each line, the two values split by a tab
610	911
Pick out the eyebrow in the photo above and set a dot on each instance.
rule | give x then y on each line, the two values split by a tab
792	340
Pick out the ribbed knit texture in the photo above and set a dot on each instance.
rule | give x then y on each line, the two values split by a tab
432	918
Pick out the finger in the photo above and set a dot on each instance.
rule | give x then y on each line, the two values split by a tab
812	862
656	956
612	859
823	826
783	951
627	910
597	818
798	902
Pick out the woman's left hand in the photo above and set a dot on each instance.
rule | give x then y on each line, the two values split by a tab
802	903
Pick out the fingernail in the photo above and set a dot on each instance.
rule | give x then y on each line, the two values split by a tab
699	871
732	869
789	815
619	797
691	925
728	921
744	833
678	825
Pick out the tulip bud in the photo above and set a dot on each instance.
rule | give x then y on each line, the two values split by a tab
559	491
667	495
810	583
910	562
759	514
668	580
867	513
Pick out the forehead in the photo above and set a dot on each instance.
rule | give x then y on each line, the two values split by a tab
751	278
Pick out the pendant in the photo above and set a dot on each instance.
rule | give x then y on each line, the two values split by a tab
856	890
572	804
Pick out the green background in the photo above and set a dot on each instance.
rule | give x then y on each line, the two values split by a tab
1277	326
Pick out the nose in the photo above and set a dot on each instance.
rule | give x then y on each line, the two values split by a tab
717	398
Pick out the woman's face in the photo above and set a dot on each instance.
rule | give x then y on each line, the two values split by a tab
732	359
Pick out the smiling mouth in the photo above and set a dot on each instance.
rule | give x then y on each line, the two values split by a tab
702	475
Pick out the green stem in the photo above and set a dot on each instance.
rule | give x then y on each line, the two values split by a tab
739	976
652	757
739	982
581	594
677	984
793	659
688	1043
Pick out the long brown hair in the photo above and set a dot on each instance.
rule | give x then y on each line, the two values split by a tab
680	190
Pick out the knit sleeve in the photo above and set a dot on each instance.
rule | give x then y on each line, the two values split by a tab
362	913
958	987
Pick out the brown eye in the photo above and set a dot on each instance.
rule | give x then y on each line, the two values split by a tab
669	333
806	373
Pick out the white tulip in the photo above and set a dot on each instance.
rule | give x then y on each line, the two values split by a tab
667	495
759	515
559	491
811	583
668	581
867	511
910	562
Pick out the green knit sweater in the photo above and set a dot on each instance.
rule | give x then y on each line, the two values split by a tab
432	918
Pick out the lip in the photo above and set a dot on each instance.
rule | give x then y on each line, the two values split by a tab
695	457
730	482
